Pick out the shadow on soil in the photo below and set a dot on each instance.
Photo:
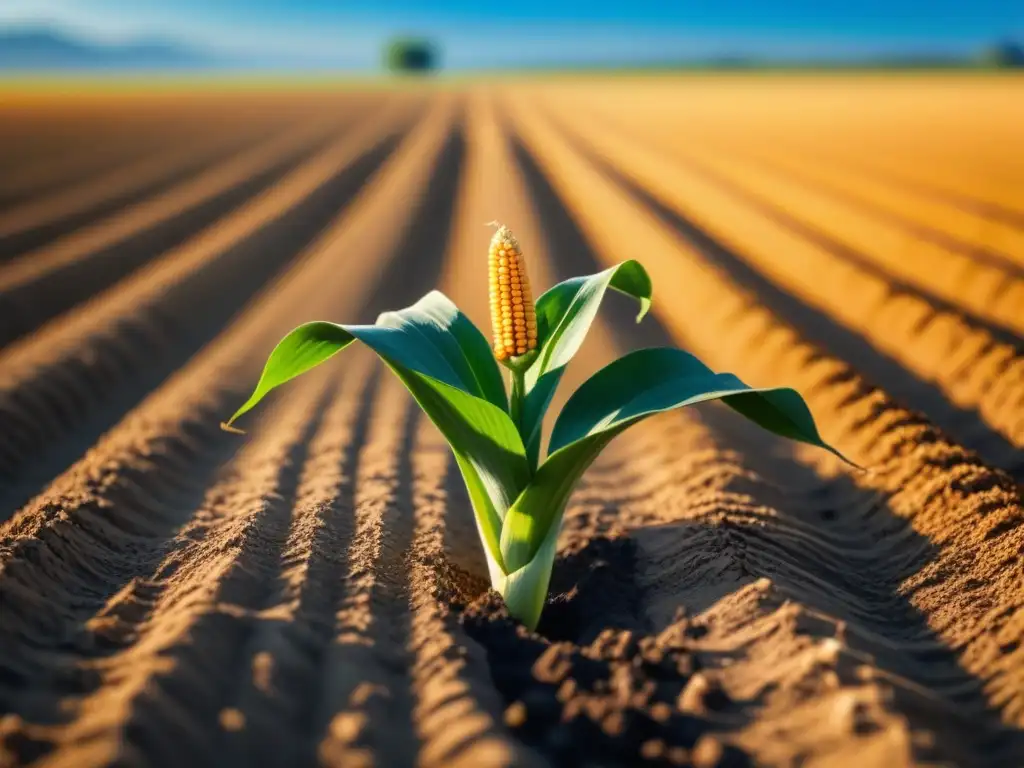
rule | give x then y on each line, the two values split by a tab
594	681
30	305
58	651
15	245
965	424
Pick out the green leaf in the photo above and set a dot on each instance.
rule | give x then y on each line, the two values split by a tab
633	387
447	366
650	381
452	335
487	449
564	315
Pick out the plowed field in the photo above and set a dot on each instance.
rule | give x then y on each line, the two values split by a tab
311	593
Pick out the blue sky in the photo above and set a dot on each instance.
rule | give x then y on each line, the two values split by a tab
348	33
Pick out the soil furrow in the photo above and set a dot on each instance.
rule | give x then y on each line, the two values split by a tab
240	352
994	368
417	263
918	470
364	694
594	584
891	134
315	593
457	713
961	137
217	363
721	532
207	182
67	166
57	143
951	283
902	332
713	498
43	284
96	354
363	710
214	573
987	201
980	201
322	590
947	227
30	227
268	717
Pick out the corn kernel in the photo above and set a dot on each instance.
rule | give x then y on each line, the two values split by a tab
513	317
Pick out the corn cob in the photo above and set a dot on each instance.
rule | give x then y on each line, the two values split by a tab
513	319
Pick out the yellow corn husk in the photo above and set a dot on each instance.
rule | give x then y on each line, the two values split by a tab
513	319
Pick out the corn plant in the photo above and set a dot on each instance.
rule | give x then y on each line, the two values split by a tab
519	494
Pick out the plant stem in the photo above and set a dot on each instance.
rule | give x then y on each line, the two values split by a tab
518	395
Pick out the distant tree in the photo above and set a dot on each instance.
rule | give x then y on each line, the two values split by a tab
1004	54
410	55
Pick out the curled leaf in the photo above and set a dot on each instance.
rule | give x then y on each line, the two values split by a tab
565	313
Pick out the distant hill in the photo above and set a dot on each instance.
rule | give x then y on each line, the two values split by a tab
47	49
